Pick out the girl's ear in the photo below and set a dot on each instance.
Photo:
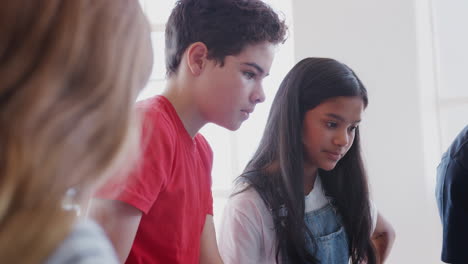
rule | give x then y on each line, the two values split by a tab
197	54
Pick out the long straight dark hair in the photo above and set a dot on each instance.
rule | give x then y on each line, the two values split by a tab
277	167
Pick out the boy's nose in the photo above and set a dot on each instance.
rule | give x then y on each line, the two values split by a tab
258	95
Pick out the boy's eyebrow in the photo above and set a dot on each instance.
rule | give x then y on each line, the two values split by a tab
256	66
341	118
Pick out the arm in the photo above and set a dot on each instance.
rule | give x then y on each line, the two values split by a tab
241	239
209	253
454	211
383	238
120	221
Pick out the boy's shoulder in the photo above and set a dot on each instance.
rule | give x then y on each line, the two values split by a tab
160	118
157	105
201	141
157	113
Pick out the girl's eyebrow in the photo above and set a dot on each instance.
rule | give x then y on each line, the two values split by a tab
340	118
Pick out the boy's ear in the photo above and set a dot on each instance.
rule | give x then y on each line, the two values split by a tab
197	54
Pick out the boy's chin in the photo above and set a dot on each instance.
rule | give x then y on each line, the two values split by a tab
233	126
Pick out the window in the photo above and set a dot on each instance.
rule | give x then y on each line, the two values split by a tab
157	13
452	65
232	150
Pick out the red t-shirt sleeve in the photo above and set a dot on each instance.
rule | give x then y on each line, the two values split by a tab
153	168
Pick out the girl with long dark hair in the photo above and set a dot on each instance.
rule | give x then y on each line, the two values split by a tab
304	197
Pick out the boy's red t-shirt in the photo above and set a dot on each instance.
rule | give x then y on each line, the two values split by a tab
171	186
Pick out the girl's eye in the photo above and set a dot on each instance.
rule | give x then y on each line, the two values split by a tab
249	75
332	124
353	128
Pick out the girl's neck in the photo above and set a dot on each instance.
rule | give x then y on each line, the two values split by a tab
310	174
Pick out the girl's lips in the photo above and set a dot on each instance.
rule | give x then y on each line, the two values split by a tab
333	155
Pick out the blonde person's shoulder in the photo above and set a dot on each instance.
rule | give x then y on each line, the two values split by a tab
86	244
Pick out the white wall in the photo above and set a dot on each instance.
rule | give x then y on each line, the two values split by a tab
388	44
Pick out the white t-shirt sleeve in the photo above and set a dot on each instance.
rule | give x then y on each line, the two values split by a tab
240	236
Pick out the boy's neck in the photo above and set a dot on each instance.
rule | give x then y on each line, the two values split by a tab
183	103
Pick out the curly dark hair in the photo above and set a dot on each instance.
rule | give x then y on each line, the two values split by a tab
224	26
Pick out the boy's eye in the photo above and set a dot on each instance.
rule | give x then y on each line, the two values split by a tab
352	128
248	74
332	124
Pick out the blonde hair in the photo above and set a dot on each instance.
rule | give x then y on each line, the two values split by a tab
70	72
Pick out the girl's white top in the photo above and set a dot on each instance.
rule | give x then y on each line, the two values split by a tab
247	233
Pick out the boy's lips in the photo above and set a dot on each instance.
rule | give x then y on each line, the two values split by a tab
246	112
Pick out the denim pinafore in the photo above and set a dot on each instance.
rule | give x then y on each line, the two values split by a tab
331	242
